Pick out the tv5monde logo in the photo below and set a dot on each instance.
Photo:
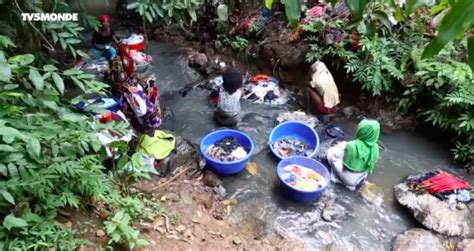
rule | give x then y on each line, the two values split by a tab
52	17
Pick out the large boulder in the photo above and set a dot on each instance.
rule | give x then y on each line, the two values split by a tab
465	245
417	239
285	61
433	213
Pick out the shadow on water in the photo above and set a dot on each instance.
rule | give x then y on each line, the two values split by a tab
368	226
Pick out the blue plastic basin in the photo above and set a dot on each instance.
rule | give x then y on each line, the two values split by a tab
297	194
226	168
297	130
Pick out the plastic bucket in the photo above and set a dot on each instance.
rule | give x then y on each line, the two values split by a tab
226	168
297	194
293	129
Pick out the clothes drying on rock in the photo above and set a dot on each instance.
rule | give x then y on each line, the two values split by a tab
441	184
227	149
290	146
302	178
265	89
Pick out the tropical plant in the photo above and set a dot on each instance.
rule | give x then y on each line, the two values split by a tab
167	11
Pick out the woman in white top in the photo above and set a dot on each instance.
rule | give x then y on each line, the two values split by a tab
321	96
228	108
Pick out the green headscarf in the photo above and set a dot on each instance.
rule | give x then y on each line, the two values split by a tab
362	154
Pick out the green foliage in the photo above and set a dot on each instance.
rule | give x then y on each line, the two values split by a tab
167	11
439	90
293	12
30	37
119	230
33	232
239	44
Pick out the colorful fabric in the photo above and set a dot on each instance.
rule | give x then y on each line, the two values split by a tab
443	182
159	146
105	18
361	154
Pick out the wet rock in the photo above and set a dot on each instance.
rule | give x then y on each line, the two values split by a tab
417	239
220	191
186	152
372	193
211	179
349	111
198	60
339	247
433	213
100	233
288	55
465	245
332	211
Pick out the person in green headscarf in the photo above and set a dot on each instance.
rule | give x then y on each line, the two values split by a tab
352	161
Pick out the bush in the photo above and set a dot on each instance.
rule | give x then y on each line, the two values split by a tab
439	90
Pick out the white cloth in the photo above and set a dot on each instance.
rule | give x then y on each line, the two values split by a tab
323	82
335	156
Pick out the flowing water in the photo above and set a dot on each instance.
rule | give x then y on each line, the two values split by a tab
368	226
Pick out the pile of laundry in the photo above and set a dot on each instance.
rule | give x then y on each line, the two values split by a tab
297	116
227	149
96	67
302	178
265	89
441	184
291	146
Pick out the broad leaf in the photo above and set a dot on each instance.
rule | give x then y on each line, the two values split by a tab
453	24
22	60
36	79
6	148
223	12
11	221
383	17
132	6
58	81
192	13
293	12
33	147
413	5
7	196
50	67
5	72
470	52
357	7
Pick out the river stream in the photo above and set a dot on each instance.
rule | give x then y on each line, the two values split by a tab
368	226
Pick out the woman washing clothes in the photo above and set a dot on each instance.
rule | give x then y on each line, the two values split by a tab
352	161
102	40
321	96
227	112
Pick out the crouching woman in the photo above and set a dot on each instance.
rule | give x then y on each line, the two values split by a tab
352	161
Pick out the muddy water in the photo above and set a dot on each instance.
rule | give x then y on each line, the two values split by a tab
366	225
